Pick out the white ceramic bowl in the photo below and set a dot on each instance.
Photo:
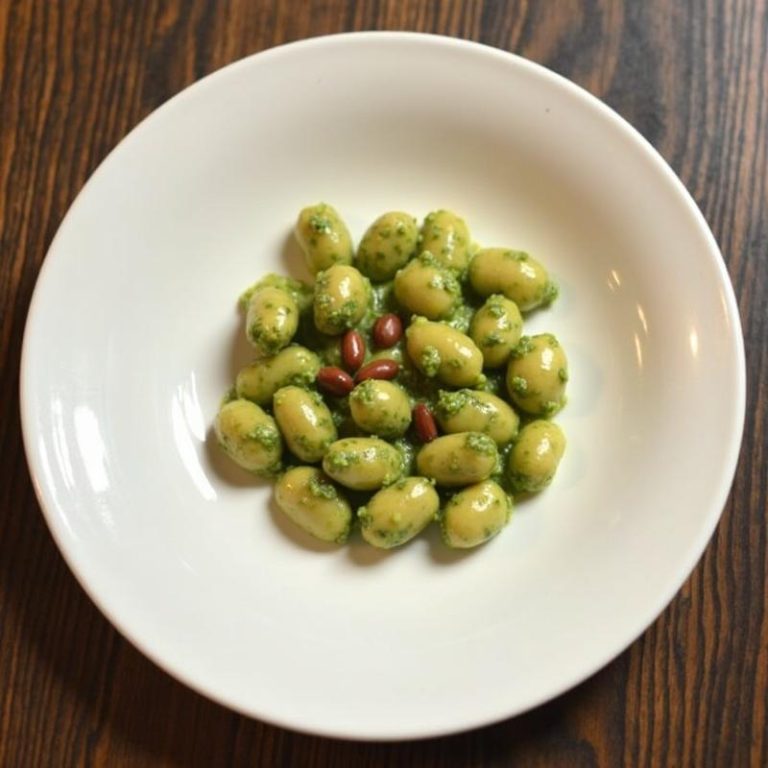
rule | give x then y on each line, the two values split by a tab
133	336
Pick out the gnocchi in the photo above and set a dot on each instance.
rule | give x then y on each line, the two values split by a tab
342	296
250	437
459	459
323	237
470	410
380	407
396	514
363	463
305	422
446	236
514	274
440	351
425	288
271	320
261	379
534	458
537	375
387	245
496	329
314	503
475	514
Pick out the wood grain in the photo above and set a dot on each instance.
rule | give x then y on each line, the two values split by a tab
692	76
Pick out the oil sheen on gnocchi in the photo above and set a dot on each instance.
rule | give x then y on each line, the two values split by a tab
445	420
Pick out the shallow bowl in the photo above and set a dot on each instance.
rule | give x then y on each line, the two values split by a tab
134	335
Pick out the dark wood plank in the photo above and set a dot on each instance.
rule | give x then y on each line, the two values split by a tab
76	75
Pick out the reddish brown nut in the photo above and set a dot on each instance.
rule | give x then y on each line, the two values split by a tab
352	350
334	381
387	331
378	369
424	422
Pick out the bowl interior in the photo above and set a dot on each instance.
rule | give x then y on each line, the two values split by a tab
134	336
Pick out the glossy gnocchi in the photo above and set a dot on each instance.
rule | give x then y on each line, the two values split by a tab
469	410
446	236
534	457
271	320
380	408
426	288
323	237
342	297
259	380
475	515
515	274
363	463
249	436
388	244
459	459
305	422
442	352
537	375
396	514
314	503
496	329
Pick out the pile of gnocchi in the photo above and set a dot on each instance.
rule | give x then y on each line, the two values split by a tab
399	389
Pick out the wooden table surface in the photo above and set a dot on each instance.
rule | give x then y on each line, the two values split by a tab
76	75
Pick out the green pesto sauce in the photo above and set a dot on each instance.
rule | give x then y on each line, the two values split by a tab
365	392
265	435
550	293
520	386
342	317
461	317
320	224
524	346
495	306
481	444
430	361
322	489
492	340
343	459
450	403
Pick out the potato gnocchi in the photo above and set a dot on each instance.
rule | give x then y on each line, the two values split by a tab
399	390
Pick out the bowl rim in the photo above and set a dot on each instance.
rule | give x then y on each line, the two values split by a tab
709	521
